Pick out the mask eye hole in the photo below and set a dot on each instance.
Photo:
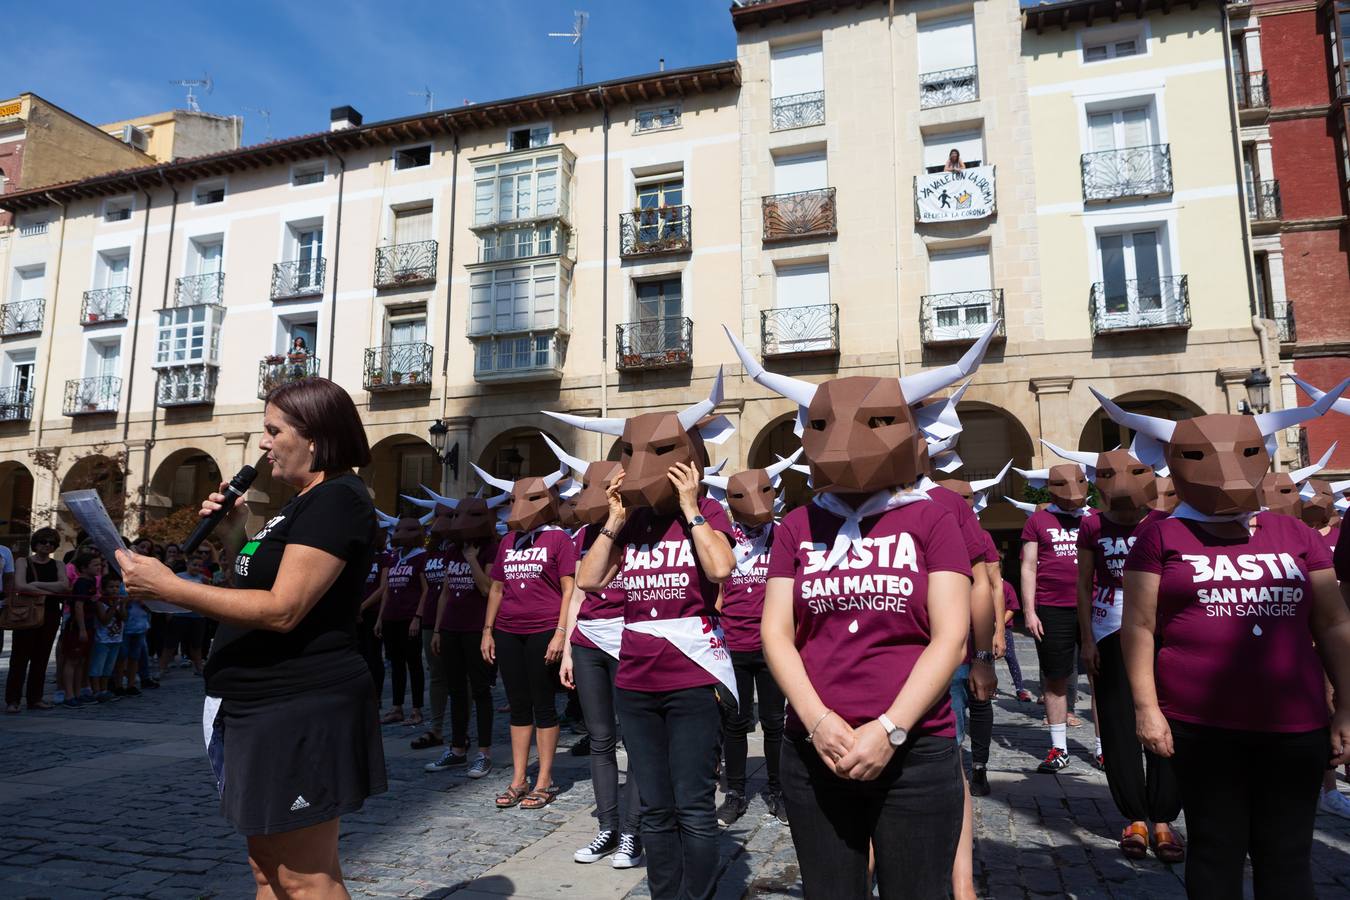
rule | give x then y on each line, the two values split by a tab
737	496
1251	451
626	449
817	424
662	451
1193	454
766	489
1107	473
880	421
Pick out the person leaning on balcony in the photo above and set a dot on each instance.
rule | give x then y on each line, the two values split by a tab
285	676
954	163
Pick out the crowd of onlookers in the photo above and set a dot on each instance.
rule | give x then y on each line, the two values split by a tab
105	645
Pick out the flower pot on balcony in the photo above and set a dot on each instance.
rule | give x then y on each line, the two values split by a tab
414	377
93	317
376	378
397	377
273	360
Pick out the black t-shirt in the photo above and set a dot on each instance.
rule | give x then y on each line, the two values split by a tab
46	571
337	517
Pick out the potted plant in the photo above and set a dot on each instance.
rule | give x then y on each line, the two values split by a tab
93	317
273	359
396	376
376	378
413	377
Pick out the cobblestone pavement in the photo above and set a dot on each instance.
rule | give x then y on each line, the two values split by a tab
116	801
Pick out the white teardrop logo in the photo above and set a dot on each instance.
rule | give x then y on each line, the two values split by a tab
853	627
1256	630
653	614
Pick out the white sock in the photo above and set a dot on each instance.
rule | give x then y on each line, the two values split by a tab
1099	746
1059	736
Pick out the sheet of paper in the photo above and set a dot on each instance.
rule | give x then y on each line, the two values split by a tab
87	508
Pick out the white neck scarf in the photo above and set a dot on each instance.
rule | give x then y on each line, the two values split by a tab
851	531
1186	511
405	554
1076	513
527	538
751	545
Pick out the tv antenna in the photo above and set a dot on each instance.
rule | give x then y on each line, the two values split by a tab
427	95
265	115
204	82
579	19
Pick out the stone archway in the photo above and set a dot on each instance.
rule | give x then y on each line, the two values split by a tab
16	506
104	474
517	453
182	480
1100	433
398	464
776	439
990	436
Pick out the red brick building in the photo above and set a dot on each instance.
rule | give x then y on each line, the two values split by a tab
1293	96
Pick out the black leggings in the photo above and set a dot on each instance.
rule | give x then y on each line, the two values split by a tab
405	658
468	676
530	682
981	729
753	676
1144	786
1249	793
371	652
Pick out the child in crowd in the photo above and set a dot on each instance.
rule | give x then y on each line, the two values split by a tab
110	613
134	659
76	633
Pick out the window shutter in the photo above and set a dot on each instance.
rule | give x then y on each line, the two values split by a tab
796	70
946	44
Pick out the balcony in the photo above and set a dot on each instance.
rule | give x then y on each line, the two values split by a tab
799	331
396	367
1284	322
804	214
105	305
92	396
405	265
16	404
655	231
278	369
1133	172
1140	305
655	344
22	317
797	111
192	385
960	317
526	357
1263	201
948	87
1253	91
200	290
297	278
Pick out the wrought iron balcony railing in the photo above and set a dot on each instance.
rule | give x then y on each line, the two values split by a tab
193	385
16	404
1284	322
800	215
1253	90
960	316
800	330
403	265
1132	172
655	344
797	111
22	317
520	357
105	305
200	290
948	86
279	369
650	232
1263	201
1139	304
90	396
297	278
393	367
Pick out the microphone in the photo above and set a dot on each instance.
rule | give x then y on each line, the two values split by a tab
240	483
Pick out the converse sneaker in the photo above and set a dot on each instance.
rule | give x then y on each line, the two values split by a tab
1336	803
1055	760
604	844
481	766
732	808
449	759
629	853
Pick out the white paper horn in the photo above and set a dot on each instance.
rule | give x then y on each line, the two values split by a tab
1078	456
924	384
939	420
1341	406
604	426
1340	487
689	417
420	502
1301	475
499	483
1027	508
985	484
796	390
1035	477
1280	419
572	462
444	501
783	464
1158	429
552	479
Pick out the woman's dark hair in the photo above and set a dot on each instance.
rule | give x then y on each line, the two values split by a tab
955	150
50	534
324	413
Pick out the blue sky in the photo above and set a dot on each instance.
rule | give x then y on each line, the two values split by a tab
107	61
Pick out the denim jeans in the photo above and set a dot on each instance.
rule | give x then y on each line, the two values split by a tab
753	677
594	671
673	739
911	813
960	694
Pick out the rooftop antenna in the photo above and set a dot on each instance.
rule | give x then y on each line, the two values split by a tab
204	82
426	94
579	19
265	115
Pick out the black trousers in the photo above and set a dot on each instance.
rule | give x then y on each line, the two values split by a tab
1144	786
530	681
30	652
405	660
753	677
371	652
468	677
1249	794
981	729
594	672
911	813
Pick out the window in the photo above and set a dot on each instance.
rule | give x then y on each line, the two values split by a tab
797	87
308	173
516	298
103	358
936	148
1132	271
958	286
19	373
412	157
806	289
33	227
412	225
528	137
656	118
212	192
117	210
946	44
112	269
408	330
657	301
304	330
521	189
802	285
188	335
667	194
305	248
799	172
1114	49
520	243
1121	129
416	468
205	256
29	282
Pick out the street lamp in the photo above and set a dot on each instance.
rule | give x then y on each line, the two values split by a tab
440	434
1258	391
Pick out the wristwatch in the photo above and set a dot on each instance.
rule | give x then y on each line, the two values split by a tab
894	733
697	521
984	656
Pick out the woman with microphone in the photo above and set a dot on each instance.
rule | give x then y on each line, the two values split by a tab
294	739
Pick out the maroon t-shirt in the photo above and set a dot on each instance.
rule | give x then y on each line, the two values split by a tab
603	604
973	536
433	569
1056	539
861	626
991	554
664	580
531	572
465	605
1332	537
1234	645
743	598
403	585
1010	601
377	565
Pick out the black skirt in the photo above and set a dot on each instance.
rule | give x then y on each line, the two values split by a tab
284	763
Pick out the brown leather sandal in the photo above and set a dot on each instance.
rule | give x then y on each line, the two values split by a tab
1167	846
1134	841
538	799
511	796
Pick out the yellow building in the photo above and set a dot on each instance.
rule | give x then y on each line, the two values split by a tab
179	133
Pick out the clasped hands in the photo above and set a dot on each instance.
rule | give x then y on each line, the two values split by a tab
858	753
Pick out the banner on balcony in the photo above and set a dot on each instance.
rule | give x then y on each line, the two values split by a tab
952	196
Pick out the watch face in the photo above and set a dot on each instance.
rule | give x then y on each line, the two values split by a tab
898	737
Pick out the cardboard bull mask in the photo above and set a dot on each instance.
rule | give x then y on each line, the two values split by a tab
860	435
975	493
1166	501
589	505
410	532
534	503
1067	484
1125	483
461	521
1319	503
752	495
1282	492
651	443
1217	462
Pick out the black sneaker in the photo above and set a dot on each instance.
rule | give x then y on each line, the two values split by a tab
979	783
1055	760
449	759
732	808
582	747
605	843
152	683
629	853
773	799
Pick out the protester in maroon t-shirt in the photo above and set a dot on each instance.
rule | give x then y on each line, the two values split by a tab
403	589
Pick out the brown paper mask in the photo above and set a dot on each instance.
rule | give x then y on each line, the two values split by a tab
589	505
1319	503
752	495
1067	484
567	514
475	519
408	533
533	500
975	493
1125	483
1166	501
441	523
1279	494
